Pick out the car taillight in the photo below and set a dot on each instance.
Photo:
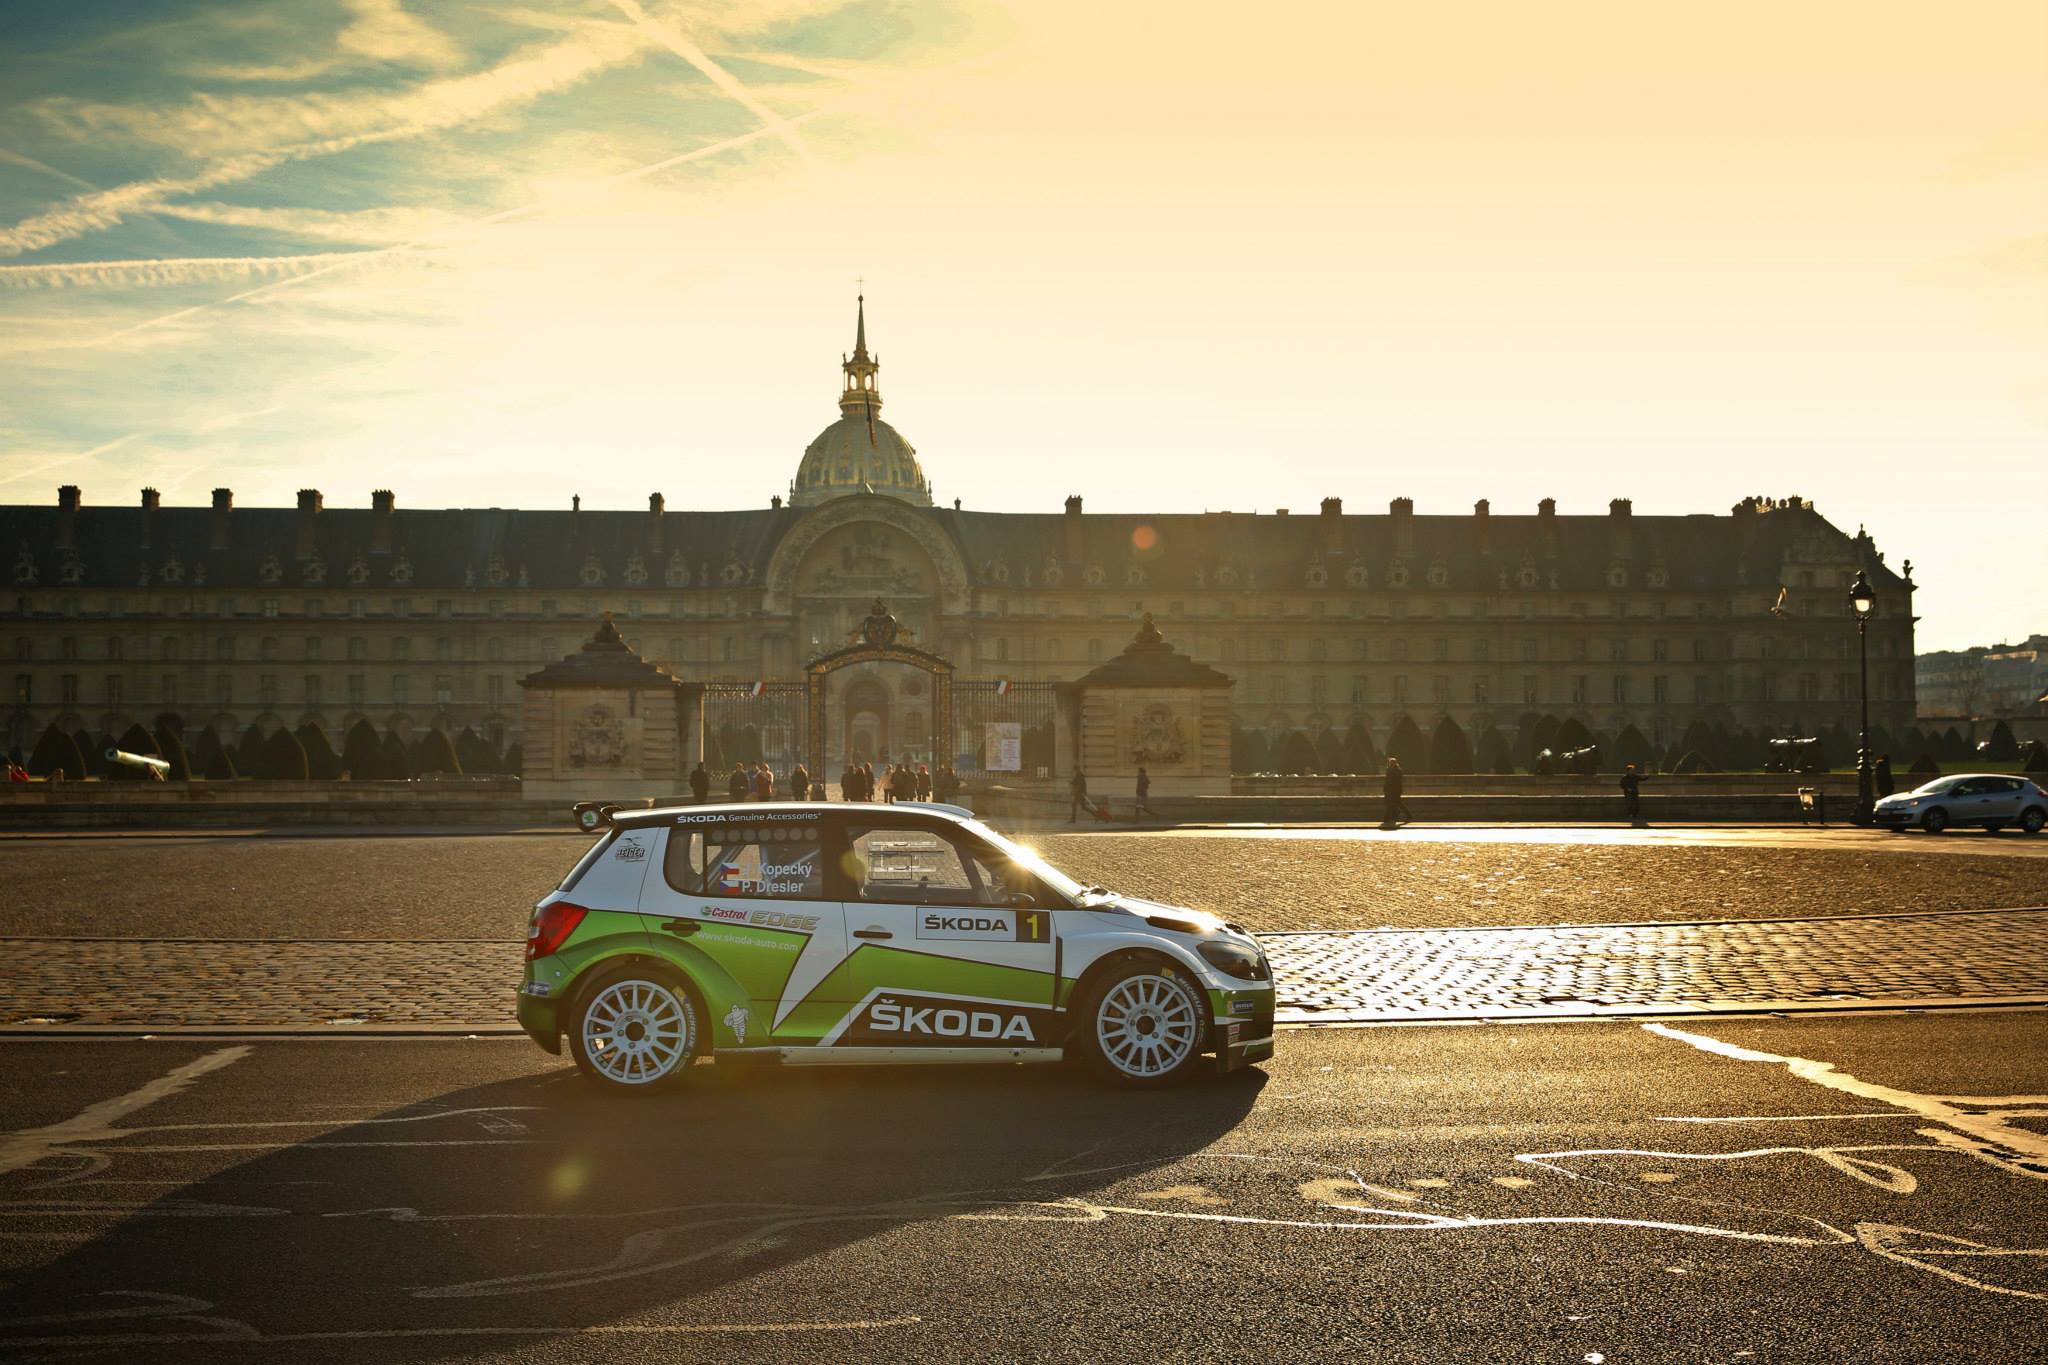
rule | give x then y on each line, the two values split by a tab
551	928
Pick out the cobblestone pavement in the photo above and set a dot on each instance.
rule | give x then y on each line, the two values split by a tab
482	887
1326	977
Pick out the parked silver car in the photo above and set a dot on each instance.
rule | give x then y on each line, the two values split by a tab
1992	800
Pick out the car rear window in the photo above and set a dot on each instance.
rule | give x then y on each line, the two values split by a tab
583	864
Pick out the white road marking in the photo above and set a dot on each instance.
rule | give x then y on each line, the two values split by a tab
95	1123
1980	1130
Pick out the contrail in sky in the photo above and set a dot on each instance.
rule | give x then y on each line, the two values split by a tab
669	37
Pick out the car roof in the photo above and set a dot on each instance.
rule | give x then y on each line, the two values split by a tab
662	815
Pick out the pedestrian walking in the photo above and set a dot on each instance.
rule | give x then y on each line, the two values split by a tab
867	781
1077	789
924	783
1144	791
1883	776
903	784
800	783
1394	809
700	785
764	783
1632	793
737	786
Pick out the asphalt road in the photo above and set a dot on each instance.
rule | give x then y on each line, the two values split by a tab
1868	1188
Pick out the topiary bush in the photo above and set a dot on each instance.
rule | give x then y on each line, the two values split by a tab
322	763
284	758
1449	750
210	757
56	751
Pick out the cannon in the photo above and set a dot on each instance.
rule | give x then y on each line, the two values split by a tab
1794	756
155	767
1578	762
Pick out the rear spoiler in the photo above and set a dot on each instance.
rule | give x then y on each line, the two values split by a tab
592	816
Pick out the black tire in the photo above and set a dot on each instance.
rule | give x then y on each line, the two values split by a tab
634	1030
1935	821
2032	819
1144	1024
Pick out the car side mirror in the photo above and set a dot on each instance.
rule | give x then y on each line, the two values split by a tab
1023	900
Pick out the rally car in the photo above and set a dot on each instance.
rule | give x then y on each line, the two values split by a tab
811	933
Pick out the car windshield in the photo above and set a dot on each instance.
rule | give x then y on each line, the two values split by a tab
1028	859
1939	784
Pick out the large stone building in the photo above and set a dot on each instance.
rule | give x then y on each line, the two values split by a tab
230	616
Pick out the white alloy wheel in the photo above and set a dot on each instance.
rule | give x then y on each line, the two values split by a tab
1147	1025
635	1032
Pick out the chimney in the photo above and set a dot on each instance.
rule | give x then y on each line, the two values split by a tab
1333	507
1482	516
1402	507
1074	505
151	500
309	508
223	503
1333	525
1620	507
655	506
1547	508
67	517
1482	509
382	504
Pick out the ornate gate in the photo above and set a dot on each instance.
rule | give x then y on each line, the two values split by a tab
984	714
750	721
881	640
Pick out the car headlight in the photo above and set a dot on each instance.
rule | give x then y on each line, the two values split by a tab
1234	959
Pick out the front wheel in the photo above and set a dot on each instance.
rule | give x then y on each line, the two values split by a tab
1935	821
633	1032
1144	1025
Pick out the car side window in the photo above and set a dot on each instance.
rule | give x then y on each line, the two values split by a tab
920	867
759	859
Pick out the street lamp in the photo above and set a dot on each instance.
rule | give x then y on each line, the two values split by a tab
1861	601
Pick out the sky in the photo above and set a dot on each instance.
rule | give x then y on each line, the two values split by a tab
1169	257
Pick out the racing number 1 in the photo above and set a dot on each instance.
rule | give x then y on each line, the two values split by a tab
1034	926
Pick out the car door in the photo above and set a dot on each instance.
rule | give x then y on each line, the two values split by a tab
1970	801
2001	799
951	945
750	890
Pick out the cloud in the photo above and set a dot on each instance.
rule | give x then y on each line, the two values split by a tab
377	31
379	226
162	271
30	163
250	135
673	38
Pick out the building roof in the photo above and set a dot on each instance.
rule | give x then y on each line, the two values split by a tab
605	661
1754	547
1149	661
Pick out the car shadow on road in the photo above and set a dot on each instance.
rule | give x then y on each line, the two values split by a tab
506	1214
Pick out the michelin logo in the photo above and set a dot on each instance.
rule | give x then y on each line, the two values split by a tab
930	1021
736	1020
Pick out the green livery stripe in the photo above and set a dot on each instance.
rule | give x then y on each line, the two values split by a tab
872	968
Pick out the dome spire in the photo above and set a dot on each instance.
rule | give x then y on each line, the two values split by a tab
860	398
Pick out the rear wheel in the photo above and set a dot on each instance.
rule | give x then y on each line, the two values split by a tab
633	1031
1935	821
2032	818
1144	1024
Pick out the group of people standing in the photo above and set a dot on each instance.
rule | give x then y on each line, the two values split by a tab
859	782
898	782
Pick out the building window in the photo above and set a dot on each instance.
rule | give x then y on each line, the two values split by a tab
315	607
1699	651
1660	689
1617	648
1401	688
1440	688
444	689
547	606
116	647
25	648
401	647
266	689
270	606
1479	691
1529	688
226	606
67	648
312	689
725	648
356	607
168	652
312	646
169	689
357	691
444	648
1401	651
224	688
401	689
358	647
24	688
1660	650
224	647
113	689
1621	687
1479	650
1770	686
494	649
1443	649
117	606
1529	650
267	648
67	689
1579	689
1809	687
1578	649
1095	649
401	606
494	689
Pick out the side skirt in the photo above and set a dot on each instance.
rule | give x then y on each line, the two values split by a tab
896	1056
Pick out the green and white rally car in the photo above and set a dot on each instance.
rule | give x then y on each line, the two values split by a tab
814	933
